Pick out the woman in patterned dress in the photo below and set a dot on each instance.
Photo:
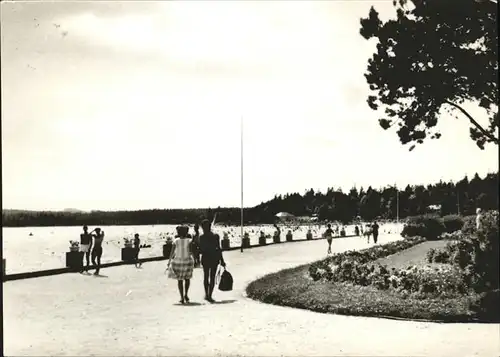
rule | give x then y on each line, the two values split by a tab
181	262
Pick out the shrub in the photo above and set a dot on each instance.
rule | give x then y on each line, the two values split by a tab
461	253
453	223
413	230
430	255
476	254
486	253
487	307
441	256
457	235
469	226
427	226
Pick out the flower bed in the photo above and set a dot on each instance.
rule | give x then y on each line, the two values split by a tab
358	268
293	288
324	269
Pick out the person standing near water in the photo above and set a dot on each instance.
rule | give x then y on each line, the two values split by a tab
181	262
277	232
137	247
375	228
97	250
211	256
329	236
85	246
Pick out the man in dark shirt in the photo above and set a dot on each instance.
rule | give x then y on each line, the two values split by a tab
85	247
211	256
375	227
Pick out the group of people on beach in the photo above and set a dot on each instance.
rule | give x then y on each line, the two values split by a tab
91	246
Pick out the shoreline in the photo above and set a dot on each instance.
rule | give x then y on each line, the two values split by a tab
219	224
65	270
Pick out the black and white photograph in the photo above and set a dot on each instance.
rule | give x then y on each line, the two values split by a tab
250	178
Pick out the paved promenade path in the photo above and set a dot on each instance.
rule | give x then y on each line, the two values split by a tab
135	312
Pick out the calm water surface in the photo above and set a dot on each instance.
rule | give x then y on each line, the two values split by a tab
47	247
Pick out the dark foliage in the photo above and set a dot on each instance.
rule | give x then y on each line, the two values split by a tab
334	205
428	226
453	223
434	56
475	253
487	307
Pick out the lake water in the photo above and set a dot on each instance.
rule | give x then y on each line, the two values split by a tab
47	247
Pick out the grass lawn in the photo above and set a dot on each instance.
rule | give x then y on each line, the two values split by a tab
295	288
416	255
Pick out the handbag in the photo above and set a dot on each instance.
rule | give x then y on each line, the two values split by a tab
225	280
170	272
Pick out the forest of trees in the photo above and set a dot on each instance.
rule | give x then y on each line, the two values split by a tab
462	197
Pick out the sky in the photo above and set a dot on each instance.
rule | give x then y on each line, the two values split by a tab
138	105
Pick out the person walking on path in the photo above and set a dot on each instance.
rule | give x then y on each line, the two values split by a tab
329	237
181	262
97	250
368	232
195	245
85	246
137	247
211	256
375	228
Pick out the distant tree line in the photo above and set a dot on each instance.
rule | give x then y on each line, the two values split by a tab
462	197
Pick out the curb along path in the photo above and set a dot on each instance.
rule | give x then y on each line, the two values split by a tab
132	311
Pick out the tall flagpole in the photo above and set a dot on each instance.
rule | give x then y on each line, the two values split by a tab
397	207
241	125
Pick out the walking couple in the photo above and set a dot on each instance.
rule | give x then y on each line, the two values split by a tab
90	248
181	262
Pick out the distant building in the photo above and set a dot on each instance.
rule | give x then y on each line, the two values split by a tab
434	208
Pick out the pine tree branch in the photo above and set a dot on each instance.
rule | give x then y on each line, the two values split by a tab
474	122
